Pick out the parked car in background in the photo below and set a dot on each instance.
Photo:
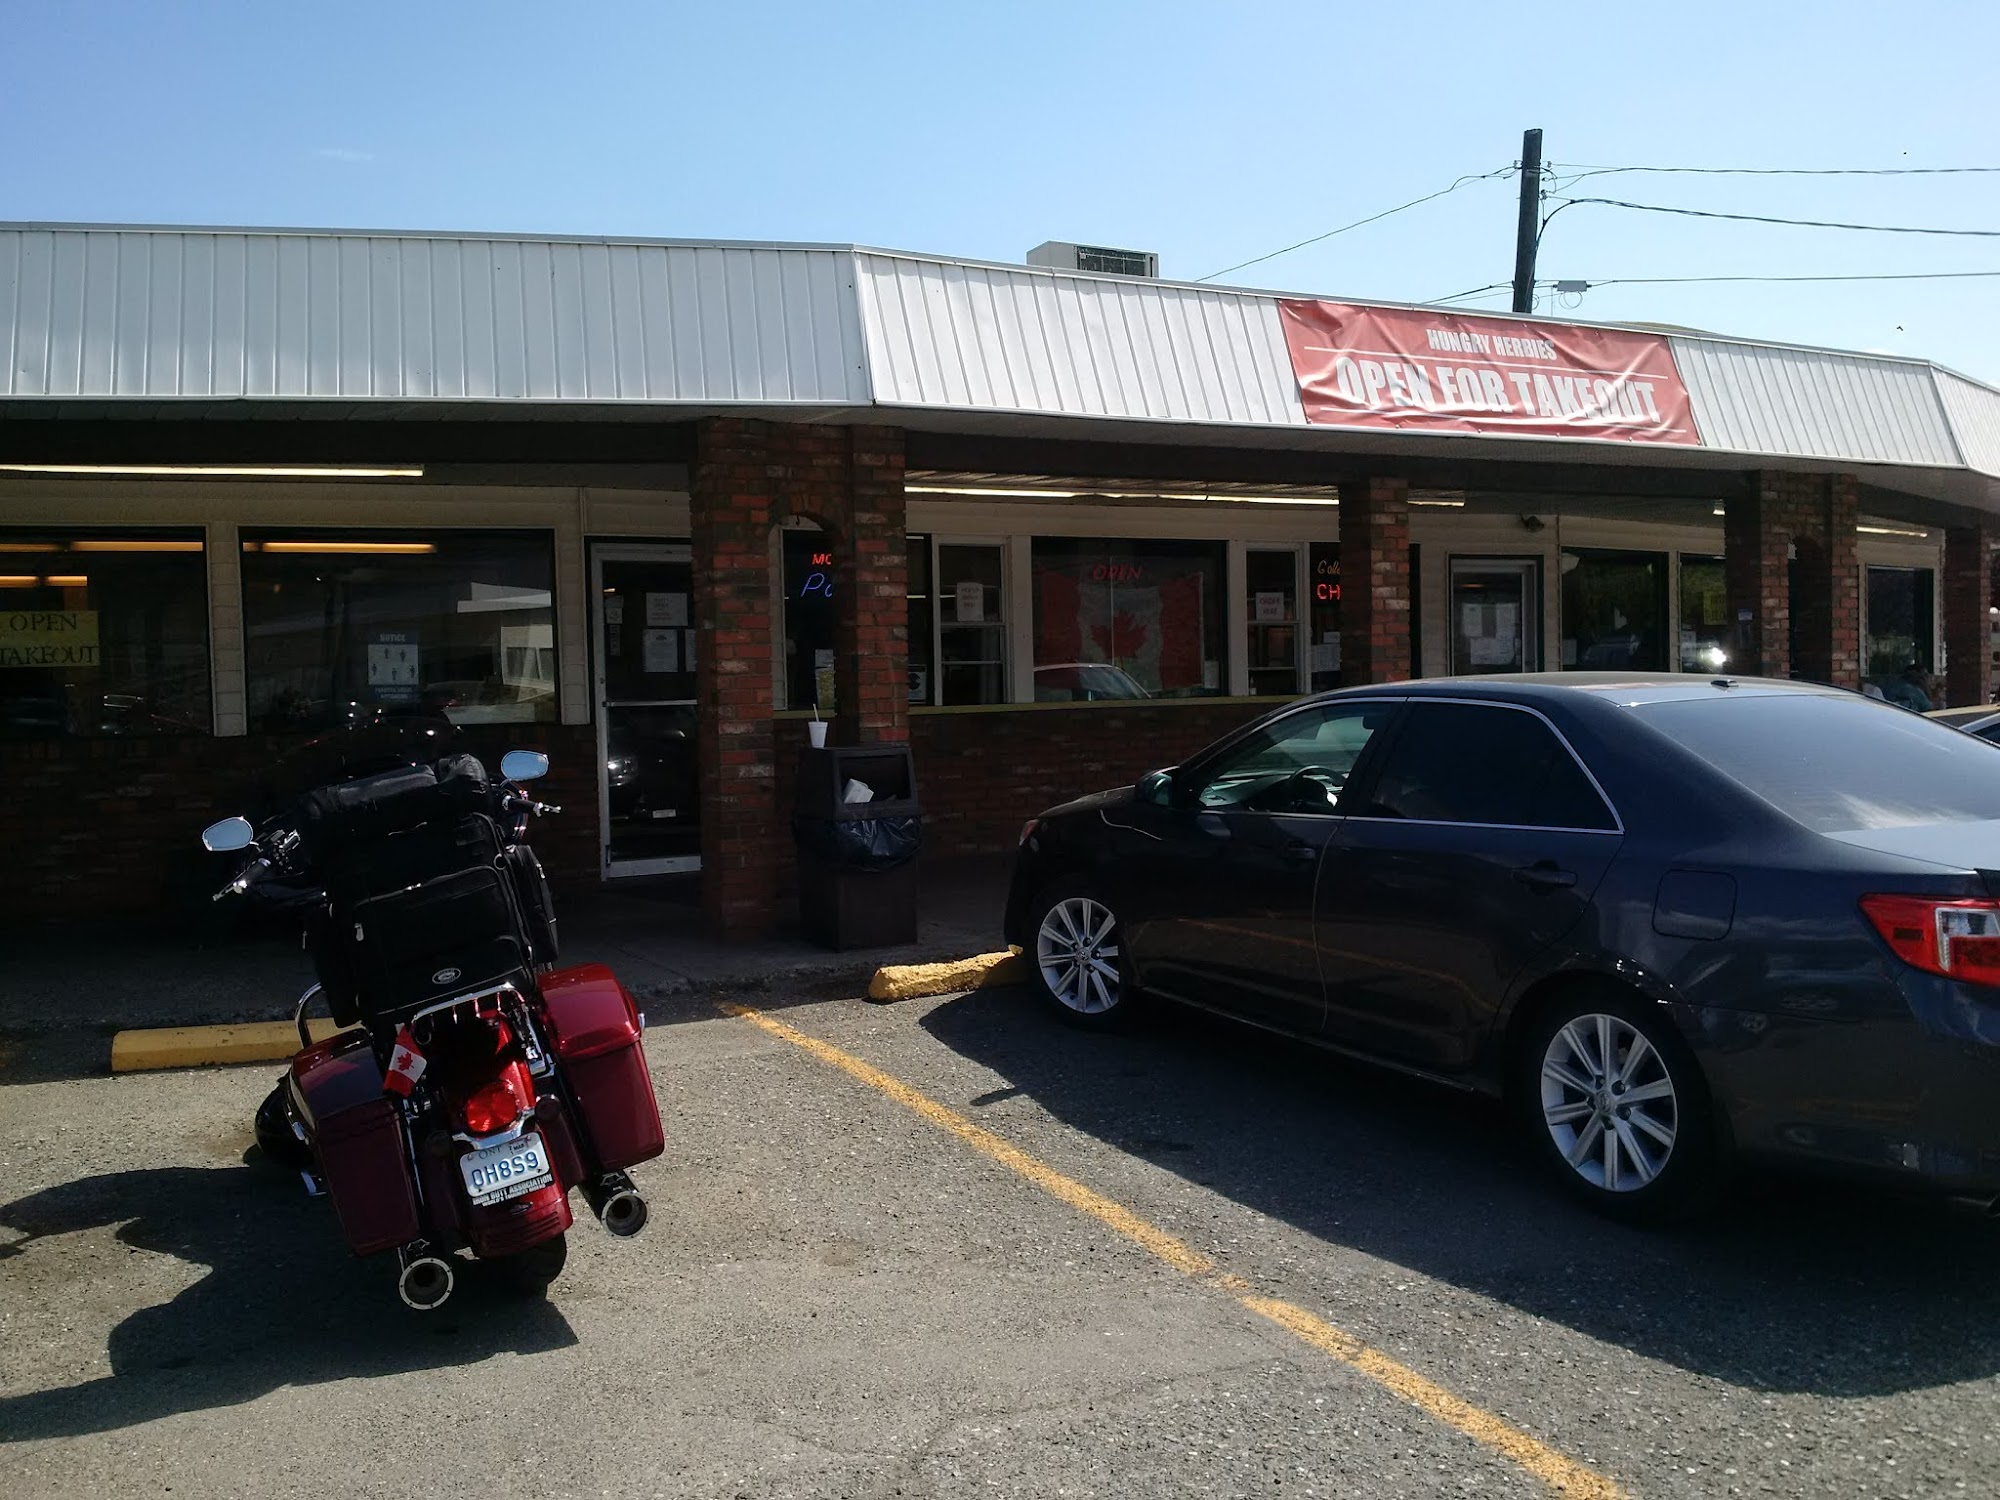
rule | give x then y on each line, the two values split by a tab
1676	922
1983	720
1085	682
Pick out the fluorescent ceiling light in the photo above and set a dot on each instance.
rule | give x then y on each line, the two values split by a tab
1443	504
18	580
67	581
228	471
1718	511
380	549
946	489
123	544
1893	531
30	546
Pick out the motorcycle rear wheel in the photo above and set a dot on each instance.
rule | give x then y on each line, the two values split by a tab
274	1130
528	1273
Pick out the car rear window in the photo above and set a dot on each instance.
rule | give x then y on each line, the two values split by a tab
1838	764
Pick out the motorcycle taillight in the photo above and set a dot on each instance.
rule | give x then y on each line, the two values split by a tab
496	1105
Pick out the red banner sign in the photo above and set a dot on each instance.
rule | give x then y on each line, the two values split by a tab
1414	370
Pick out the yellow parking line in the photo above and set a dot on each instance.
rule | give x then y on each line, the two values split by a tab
1561	1474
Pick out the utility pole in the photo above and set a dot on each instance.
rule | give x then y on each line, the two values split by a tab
1530	228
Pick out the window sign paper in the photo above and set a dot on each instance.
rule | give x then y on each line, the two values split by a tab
667	609
1270	606
687	657
614	609
48	638
970	598
392	668
1211	675
1326	656
663	650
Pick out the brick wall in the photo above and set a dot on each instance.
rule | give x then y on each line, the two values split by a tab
1812	515
110	829
1375	582
747	478
1969	557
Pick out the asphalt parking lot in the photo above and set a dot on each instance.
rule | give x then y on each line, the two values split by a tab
952	1247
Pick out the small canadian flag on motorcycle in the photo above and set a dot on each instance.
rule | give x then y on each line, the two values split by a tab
406	1065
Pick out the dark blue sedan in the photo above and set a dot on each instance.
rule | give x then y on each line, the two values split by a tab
1677	922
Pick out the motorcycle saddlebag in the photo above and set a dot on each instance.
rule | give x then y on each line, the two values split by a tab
595	1032
446	937
358	1137
538	907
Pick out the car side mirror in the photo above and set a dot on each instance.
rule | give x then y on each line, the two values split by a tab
227	836
523	765
1158	787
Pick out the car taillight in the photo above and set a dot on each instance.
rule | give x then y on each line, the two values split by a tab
1958	939
1028	829
494	1106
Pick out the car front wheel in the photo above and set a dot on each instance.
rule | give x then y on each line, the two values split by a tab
1616	1106
1079	957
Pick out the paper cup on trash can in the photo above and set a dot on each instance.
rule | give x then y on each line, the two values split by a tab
816	732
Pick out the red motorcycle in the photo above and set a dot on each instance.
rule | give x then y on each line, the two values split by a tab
476	1083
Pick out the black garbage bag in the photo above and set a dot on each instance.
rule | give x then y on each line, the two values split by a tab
860	843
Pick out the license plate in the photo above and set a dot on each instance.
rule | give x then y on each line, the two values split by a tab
502	1172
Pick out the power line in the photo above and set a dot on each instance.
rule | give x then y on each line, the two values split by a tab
1886	276
1582	170
1704	213
1359	223
1491	286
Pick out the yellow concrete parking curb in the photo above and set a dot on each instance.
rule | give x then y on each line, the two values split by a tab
210	1046
908	981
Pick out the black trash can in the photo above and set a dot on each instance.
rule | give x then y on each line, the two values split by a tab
858	860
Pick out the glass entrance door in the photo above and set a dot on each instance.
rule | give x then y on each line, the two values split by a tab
642	624
1495	624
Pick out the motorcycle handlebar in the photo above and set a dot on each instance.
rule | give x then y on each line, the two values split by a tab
248	876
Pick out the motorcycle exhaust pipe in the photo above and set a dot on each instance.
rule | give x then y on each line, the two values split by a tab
426	1280
618	1206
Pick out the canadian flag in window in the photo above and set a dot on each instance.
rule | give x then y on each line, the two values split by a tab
406	1065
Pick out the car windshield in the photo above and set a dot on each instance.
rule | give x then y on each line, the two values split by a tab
1838	764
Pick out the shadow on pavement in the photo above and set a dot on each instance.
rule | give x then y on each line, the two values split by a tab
283	1303
1791	1287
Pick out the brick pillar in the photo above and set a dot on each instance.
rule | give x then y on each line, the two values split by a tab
1794	581
1969	556
871	587
733	495
1374	582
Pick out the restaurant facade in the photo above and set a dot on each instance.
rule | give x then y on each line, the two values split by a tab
653	506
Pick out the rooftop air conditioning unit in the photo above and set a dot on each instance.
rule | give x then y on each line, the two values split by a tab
1066	257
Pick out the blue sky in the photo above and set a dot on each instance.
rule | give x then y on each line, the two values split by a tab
1208	133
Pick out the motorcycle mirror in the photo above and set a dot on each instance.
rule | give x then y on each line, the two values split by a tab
523	765
229	834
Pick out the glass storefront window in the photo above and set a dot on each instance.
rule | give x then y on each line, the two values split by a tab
1496	625
809	619
922	613
1705	632
341	625
972	632
1271	608
1323	558
103	633
1150	610
1901	629
1614	610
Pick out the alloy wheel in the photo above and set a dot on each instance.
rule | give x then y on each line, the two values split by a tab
1076	950
1609	1103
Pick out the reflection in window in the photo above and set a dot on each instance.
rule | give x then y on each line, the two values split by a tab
1299	764
1271	583
1705	634
1522	776
922	605
344	625
103	633
972	630
1153	610
1900	634
1614	610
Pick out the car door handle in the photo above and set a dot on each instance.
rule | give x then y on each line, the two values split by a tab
1545	875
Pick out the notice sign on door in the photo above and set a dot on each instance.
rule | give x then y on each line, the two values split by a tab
48	638
1415	370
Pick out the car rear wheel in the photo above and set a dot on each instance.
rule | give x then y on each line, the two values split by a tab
1079	957
1617	1108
